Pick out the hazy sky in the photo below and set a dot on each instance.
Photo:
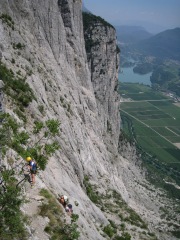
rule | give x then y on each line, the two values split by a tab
165	13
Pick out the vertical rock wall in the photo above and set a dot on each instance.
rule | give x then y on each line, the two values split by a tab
43	42
53	61
103	60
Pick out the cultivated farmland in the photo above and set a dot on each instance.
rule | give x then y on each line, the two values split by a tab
155	122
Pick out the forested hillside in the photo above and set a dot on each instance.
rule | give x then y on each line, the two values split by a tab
163	45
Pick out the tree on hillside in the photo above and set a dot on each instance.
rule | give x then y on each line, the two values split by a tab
12	137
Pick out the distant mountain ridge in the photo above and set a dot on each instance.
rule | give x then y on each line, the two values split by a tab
163	45
131	34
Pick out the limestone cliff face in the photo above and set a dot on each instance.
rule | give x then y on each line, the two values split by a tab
83	96
53	59
103	60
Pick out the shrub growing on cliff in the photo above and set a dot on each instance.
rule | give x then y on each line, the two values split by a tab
125	236
18	46
8	20
12	137
11	218
18	140
41	109
92	194
16	87
45	146
90	19
109	230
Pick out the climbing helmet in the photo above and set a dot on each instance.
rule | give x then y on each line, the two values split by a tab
28	159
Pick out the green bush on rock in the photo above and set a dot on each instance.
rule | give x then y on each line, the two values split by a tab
16	87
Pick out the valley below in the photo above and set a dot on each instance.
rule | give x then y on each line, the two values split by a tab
151	120
111	148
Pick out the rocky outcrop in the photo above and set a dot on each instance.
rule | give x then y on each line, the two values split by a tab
43	42
103	60
51	55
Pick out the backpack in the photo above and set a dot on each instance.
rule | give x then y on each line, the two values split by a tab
34	167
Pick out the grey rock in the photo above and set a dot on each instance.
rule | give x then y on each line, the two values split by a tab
1	84
81	92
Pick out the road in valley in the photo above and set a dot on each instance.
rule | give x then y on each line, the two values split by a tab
146	125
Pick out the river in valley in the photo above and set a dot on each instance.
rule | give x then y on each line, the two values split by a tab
127	75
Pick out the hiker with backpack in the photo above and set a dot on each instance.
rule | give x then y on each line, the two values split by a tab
33	169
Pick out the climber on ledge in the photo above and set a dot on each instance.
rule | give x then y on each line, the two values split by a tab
33	169
63	200
69	209
26	171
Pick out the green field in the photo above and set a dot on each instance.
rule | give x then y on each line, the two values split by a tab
155	122
139	92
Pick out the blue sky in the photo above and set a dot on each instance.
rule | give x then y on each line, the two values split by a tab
162	14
